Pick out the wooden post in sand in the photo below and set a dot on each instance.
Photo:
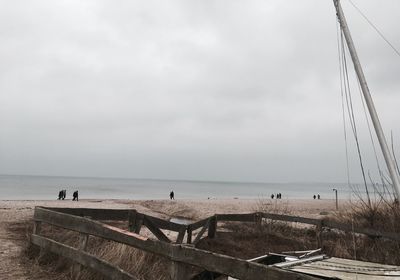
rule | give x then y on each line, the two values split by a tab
212	227
135	221
319	234
132	220
179	270
258	219
138	222
189	234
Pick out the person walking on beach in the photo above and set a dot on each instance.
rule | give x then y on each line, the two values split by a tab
314	196
319	197
75	196
171	195
272	196
60	195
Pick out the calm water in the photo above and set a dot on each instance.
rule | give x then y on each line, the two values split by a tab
45	187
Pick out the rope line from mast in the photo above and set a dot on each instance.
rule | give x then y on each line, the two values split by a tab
376	28
349	104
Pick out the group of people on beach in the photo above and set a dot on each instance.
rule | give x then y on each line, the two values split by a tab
278	196
318	196
63	194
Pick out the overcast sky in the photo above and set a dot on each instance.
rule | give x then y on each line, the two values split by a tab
203	90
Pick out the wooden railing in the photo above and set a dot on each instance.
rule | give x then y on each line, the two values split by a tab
181	256
83	220
136	220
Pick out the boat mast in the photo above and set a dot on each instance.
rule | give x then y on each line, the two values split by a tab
368	99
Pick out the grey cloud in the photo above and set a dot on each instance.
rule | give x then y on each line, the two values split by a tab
215	90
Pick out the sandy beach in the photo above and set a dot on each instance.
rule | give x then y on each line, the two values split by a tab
14	215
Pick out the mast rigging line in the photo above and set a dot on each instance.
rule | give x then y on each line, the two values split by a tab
350	109
376	28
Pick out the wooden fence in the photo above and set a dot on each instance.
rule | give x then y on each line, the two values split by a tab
181	256
136	220
87	222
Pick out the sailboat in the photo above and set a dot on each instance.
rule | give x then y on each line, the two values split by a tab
389	160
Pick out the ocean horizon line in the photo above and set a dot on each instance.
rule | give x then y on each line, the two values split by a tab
300	182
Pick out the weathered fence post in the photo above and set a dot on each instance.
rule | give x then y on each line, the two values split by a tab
189	234
179	270
258	219
83	240
138	222
319	230
132	220
212	227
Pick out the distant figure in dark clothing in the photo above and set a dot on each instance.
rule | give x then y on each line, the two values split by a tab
75	196
319	197
64	194
279	196
272	196
171	195
314	196
60	195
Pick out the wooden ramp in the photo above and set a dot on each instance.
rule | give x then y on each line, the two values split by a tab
337	268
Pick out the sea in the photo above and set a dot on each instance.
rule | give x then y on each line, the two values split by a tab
27	187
